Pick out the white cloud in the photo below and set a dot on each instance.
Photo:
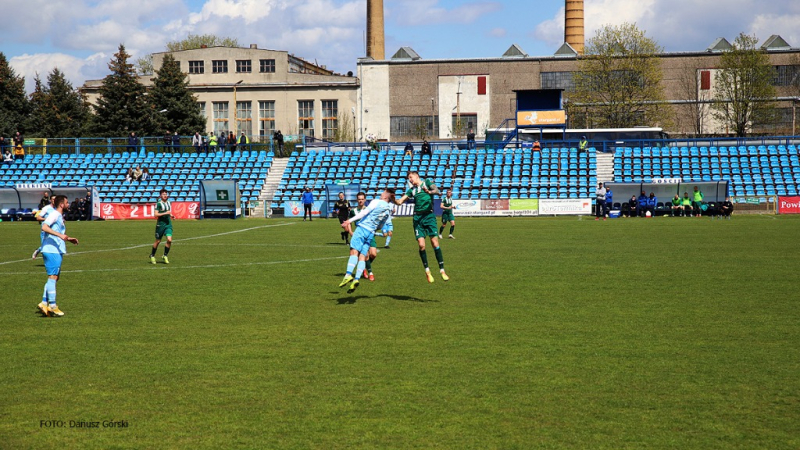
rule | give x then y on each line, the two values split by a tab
497	32
427	12
248	11
76	70
684	25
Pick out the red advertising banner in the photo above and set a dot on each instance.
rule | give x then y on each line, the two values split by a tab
147	211
788	205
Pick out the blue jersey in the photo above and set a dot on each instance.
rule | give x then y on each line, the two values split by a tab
373	216
54	244
387	226
43	213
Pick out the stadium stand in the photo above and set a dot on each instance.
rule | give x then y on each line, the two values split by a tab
178	172
751	170
473	174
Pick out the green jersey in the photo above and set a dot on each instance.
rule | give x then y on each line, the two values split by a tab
448	202
423	201
355	211
698	196
676	201
685	201
162	207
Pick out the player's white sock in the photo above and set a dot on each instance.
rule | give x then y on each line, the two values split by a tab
359	269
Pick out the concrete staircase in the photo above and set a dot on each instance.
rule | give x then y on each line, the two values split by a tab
605	167
270	186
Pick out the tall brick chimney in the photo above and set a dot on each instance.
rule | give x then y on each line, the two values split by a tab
375	38
573	24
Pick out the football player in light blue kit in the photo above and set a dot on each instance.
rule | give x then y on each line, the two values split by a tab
371	218
41	216
386	231
53	249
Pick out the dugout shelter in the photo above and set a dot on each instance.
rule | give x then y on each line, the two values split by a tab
220	199
713	191
332	195
21	202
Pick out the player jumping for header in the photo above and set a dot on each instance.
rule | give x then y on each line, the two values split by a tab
424	221
163	226
369	219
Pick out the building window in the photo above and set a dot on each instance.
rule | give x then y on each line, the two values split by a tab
202	106
266	118
267	65
305	116
462	123
243	66
330	114
219	66
244	118
196	67
779	124
220	117
558	80
416	127
786	76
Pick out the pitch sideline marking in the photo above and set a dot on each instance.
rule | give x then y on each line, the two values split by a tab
150	245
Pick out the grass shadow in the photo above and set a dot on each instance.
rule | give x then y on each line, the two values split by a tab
401	298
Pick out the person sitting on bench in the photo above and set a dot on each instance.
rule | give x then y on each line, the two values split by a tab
641	204
726	208
677	208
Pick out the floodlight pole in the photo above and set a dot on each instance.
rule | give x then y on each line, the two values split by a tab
235	124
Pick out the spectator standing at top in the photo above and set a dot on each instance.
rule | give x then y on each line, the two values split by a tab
167	141
222	141
205	143
426	148
308	201
212	142
176	142
18	140
243	141
232	141
609	199
197	142
697	202
600	202
471	139
278	138
132	141
583	145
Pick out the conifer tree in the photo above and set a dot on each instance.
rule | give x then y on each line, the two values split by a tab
122	106
170	92
13	102
67	110
34	124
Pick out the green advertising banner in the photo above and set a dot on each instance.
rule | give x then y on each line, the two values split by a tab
521	204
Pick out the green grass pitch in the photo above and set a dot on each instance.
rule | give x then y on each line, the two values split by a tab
551	333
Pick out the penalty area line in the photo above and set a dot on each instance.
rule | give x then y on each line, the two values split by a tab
173	266
150	245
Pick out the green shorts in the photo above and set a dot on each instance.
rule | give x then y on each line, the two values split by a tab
163	230
425	225
448	216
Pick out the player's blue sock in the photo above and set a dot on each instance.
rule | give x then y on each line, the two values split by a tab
388	239
351	264
44	294
360	269
50	290
439	258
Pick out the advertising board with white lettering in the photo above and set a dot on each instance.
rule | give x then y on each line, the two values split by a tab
788	205
557	207
145	211
496	207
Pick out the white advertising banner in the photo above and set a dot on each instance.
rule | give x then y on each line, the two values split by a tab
554	207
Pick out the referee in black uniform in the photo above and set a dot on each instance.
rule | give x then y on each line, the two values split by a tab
342	209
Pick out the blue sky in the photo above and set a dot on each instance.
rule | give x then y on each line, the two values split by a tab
80	36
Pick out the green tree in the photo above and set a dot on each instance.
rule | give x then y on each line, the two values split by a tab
170	92
13	102
618	82
743	91
122	106
68	113
192	41
34	125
